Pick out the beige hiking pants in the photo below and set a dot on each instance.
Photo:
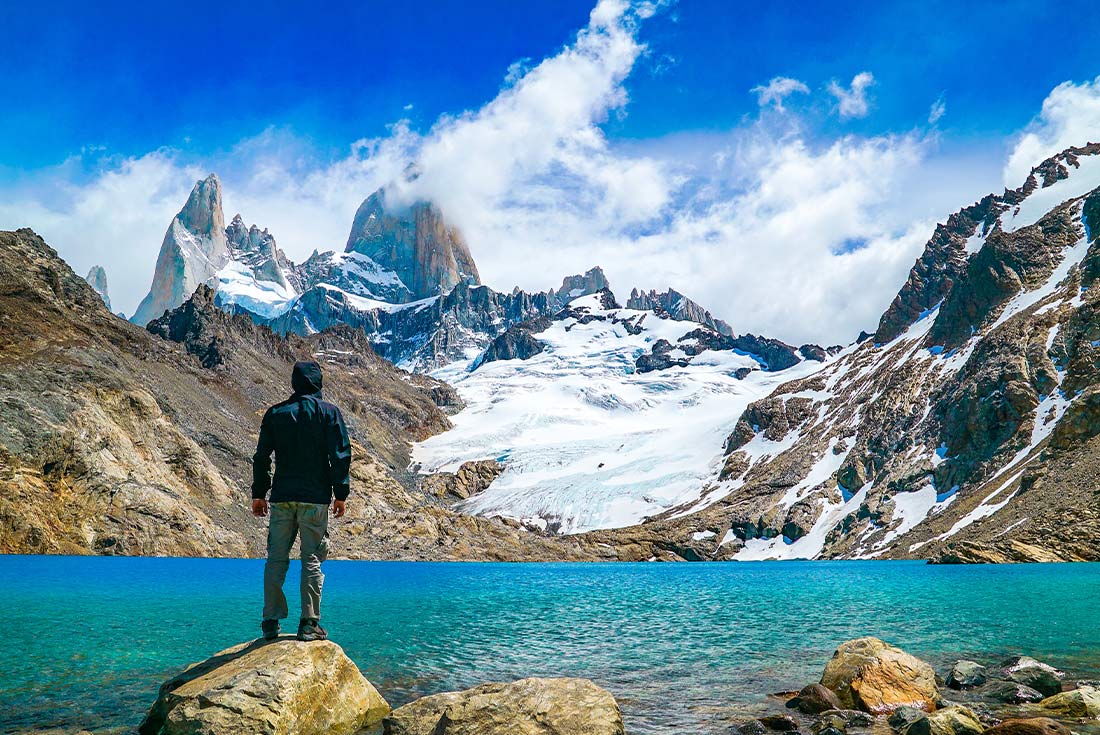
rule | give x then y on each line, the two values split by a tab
309	521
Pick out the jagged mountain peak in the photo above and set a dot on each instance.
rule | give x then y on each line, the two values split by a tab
429	255
677	306
194	249
97	279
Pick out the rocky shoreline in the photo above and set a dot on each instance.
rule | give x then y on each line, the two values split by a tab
868	687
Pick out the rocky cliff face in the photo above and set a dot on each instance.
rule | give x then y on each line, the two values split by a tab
965	429
97	279
194	249
119	440
677	306
427	254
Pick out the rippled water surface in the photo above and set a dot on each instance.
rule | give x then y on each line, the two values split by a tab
686	648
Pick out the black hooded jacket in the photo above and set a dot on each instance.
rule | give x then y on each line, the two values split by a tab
310	441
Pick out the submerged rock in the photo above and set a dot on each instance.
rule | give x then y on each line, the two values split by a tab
1009	692
779	723
840	720
871	675
1083	702
524	707
1029	726
966	675
280	688
954	720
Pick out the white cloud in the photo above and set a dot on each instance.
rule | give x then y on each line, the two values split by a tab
937	111
1070	116
776	90
852	102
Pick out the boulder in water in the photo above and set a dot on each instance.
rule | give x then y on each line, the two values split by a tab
524	707
1078	703
814	699
1035	674
954	720
871	675
284	687
966	675
1009	692
1029	726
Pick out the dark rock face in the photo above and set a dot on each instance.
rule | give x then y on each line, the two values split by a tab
516	343
944	261
428	255
1011	693
814	699
1027	671
774	354
422	335
256	249
573	287
676	306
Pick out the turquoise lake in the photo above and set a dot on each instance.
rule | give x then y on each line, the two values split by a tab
686	648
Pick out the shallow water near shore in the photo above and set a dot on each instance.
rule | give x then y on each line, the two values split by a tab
685	648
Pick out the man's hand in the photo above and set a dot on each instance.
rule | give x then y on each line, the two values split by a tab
259	507
339	508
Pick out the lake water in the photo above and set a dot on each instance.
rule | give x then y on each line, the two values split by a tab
686	648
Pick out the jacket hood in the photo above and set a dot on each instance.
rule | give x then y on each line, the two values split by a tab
306	378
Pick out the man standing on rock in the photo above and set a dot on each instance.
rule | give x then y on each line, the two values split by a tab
312	466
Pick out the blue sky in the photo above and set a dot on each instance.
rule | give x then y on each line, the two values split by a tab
665	150
135	76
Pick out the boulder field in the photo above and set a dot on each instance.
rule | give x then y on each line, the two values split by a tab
870	686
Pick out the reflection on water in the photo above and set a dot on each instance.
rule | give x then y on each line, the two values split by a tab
684	648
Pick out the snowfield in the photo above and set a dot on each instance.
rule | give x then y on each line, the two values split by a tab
586	441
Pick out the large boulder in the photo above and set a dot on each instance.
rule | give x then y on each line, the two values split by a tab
1029	726
871	675
284	687
524	707
1078	703
1035	674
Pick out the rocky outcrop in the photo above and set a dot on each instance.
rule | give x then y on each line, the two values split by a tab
194	249
282	687
470	479
676	306
429	255
572	287
424	335
518	342
524	707
869	674
97	279
256	250
952	720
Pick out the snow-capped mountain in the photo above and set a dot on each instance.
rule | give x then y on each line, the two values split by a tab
966	428
600	415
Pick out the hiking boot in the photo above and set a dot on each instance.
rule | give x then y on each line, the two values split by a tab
270	629
309	629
